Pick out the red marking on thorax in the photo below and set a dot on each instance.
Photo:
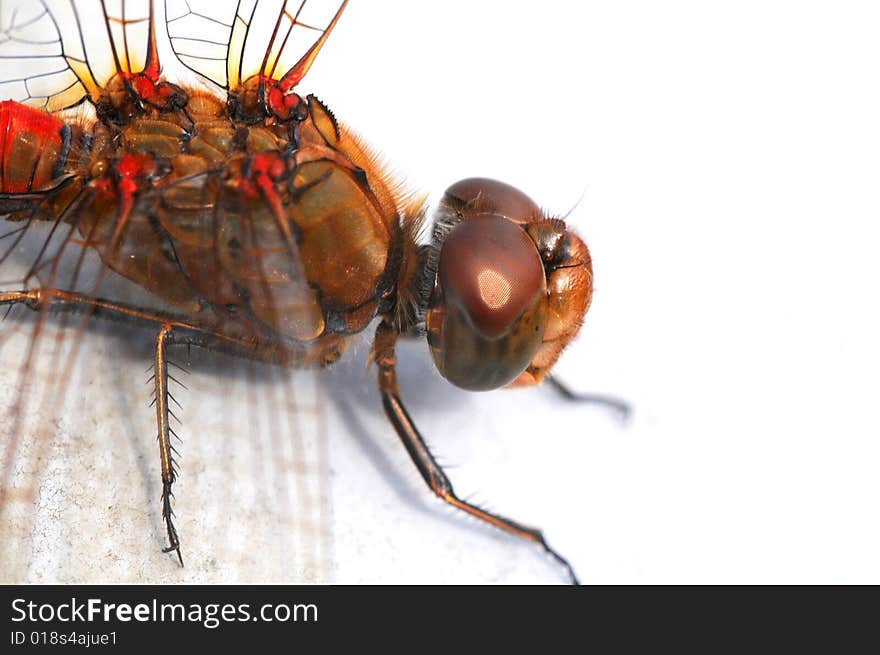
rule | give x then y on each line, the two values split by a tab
282	104
143	86
149	89
124	178
135	164
265	168
123	181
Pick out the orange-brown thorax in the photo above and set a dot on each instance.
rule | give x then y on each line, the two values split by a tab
266	230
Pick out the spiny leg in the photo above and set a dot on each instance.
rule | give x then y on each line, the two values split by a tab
432	473
174	331
621	407
165	432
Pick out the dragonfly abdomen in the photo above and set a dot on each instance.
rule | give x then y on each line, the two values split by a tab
33	148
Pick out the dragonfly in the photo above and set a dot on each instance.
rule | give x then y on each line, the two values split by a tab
250	221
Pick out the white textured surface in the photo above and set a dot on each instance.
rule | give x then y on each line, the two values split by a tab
727	157
258	502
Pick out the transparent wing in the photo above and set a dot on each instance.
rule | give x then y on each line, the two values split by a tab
228	43
36	67
54	53
128	24
83	505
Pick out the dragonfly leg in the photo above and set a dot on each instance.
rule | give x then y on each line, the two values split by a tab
165	432
39	299
184	331
622	408
432	473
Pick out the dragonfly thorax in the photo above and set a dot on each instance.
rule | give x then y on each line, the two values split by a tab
268	231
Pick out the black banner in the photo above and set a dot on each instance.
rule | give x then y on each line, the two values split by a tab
137	617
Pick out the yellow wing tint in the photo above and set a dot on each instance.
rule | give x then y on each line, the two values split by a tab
55	53
228	44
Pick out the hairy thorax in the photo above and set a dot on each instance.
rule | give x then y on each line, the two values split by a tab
264	229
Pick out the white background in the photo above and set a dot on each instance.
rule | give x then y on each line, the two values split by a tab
723	162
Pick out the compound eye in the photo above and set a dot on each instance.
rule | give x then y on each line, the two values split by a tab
488	311
479	195
490	268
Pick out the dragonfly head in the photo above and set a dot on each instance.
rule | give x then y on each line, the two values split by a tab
510	286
